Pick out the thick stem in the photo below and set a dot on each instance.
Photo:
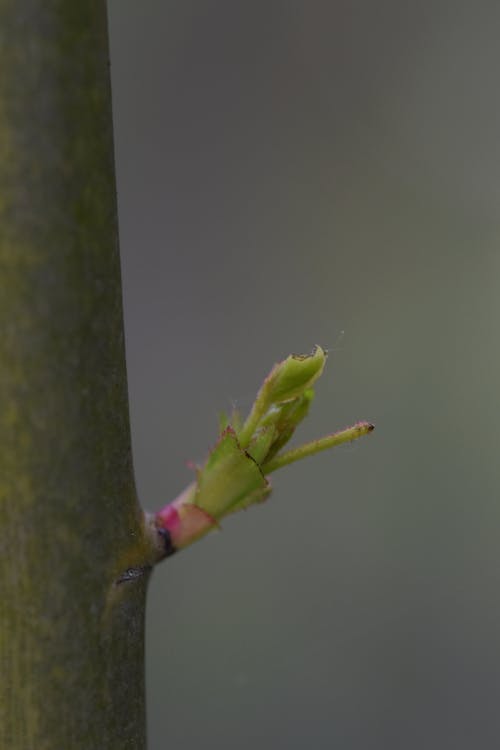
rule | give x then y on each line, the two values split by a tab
71	639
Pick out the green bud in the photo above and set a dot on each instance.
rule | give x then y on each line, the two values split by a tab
262	441
234	474
228	478
291	377
285	418
287	381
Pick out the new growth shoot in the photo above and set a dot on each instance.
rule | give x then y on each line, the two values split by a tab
235	474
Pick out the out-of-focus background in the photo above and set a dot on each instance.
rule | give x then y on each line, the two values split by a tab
299	172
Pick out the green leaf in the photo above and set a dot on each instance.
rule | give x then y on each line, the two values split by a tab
229	476
261	444
285	418
234	474
291	377
287	381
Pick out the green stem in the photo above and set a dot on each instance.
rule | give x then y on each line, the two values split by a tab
258	410
71	615
322	444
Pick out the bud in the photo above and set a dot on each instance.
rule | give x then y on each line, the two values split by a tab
287	381
261	444
291	377
228	477
285	418
233	476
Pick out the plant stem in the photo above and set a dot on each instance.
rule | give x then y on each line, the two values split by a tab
71	621
258	410
315	446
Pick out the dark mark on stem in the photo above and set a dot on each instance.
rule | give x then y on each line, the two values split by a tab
167	542
132	574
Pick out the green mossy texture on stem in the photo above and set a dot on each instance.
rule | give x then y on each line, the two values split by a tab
71	644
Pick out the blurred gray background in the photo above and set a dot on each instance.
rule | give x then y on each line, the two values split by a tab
300	172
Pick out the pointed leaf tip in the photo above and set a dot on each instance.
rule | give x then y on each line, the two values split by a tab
292	376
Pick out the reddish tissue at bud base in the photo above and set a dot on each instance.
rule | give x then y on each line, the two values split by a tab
168	518
185	522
